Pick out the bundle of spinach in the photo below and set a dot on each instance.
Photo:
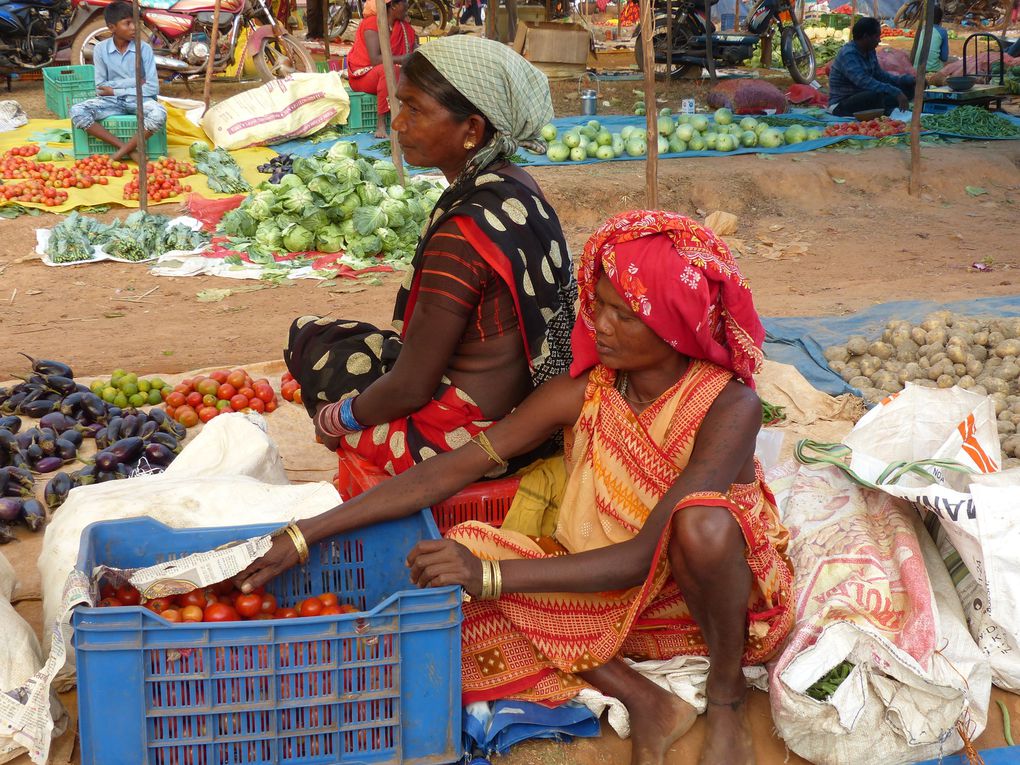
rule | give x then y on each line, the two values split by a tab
223	172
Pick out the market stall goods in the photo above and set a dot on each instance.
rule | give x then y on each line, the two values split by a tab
971	121
201	398
139	237
946	349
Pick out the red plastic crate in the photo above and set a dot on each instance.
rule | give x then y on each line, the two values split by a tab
486	501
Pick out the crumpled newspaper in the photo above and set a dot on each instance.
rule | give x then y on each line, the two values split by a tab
12	116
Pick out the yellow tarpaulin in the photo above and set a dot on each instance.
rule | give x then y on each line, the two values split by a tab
181	133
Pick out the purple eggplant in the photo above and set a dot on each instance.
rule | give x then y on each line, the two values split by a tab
11	423
47	441
20	482
159	454
48	464
105	475
57	489
56	421
94	407
44	367
10	508
148	429
6	534
167	440
60	384
8	440
66	450
126	450
34	453
92	429
113	426
84	477
105	461
38	407
33	514
73	436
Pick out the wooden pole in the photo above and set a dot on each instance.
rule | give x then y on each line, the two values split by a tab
211	63
736	15
669	38
325	29
143	180
391	85
511	20
915	118
709	58
651	113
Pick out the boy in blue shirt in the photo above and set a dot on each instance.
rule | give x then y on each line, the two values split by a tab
114	62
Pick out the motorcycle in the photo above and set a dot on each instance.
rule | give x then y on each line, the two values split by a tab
422	14
994	12
691	30
28	32
180	32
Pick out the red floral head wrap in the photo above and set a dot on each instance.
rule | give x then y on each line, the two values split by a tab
681	281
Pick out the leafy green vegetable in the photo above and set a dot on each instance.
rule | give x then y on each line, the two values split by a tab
368	219
297	238
223	173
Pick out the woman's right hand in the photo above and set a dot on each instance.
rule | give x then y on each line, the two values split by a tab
281	556
330	442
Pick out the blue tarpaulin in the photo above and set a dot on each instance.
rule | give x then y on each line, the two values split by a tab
1006	755
800	340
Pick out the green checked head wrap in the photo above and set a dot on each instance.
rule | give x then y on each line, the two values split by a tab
511	93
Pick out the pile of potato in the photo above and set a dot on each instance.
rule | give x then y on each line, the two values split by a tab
946	349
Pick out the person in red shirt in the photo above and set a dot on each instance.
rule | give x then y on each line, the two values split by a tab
364	62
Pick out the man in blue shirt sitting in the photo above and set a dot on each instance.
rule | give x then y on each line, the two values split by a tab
858	83
114	62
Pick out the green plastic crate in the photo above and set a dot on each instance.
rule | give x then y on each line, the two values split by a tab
363	114
838	20
123	127
66	86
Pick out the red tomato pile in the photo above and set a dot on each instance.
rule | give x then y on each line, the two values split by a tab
199	399
43	182
290	388
163	179
877	128
223	603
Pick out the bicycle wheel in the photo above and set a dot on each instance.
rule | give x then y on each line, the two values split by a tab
423	14
908	14
281	55
339	19
798	55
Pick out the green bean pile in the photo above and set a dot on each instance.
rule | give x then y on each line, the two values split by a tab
827	684
971	121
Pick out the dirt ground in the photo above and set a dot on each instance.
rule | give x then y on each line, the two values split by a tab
822	233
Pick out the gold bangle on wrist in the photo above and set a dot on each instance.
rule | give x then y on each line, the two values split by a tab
299	542
486	581
497	580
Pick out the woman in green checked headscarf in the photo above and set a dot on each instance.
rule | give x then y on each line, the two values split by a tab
486	312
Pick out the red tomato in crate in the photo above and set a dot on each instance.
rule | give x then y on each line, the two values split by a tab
128	595
268	604
109	603
329	599
220	612
286	613
193	598
249	606
310	607
191	614
159	605
171	615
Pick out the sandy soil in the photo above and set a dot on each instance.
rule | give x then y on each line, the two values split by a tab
818	233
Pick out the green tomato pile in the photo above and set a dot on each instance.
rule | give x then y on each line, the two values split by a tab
687	132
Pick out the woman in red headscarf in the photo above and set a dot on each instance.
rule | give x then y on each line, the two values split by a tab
668	541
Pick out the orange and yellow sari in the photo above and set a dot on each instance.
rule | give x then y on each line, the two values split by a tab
531	646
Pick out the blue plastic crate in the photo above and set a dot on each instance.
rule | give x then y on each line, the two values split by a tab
381	686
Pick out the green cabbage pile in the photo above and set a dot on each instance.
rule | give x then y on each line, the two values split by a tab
335	202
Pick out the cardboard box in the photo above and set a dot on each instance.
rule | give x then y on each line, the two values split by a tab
551	43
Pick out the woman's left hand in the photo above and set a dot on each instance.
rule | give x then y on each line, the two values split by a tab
442	562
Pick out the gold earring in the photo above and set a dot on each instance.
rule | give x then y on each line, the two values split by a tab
469	144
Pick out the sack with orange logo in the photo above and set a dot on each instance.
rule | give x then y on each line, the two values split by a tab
939	449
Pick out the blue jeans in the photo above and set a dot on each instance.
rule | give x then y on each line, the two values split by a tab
85	114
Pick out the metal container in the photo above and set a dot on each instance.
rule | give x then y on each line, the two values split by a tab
589	96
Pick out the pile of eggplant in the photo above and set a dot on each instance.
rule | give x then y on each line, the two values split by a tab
127	441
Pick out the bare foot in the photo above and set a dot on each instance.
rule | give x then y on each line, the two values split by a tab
728	740
656	726
382	135
119	154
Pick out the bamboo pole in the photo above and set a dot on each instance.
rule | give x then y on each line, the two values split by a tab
669	38
391	85
736	15
651	113
709	58
490	20
143	176
211	63
325	30
511	20
915	117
